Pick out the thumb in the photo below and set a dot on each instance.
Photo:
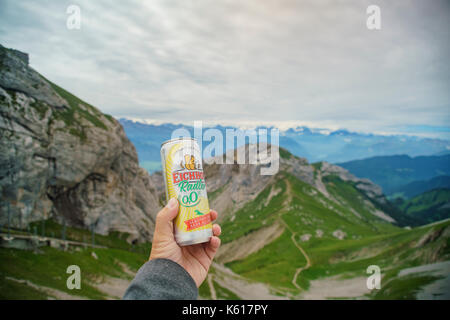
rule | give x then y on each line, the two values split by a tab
165	216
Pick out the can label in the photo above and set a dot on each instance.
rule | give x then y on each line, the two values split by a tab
185	181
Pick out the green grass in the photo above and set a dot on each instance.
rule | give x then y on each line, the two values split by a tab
91	114
429	206
310	210
12	290
275	264
345	257
426	200
285	154
48	268
307	212
369	240
203	290
109	117
359	202
392	250
254	215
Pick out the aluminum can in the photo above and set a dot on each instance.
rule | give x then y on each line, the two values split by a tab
184	179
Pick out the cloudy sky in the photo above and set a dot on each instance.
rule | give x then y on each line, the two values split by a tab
269	61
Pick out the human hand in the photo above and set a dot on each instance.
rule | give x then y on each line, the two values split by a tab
196	258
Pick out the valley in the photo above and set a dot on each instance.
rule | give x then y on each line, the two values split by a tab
70	172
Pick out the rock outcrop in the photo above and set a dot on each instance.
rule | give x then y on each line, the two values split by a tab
62	158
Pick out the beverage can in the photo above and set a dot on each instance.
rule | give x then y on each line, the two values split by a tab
184	179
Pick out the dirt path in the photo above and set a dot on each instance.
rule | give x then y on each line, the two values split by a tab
115	287
247	289
293	234
52	293
308	262
289	193
211	287
303	252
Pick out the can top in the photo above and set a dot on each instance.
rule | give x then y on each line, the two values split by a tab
178	139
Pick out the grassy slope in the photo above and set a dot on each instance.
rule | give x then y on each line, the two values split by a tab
308	211
429	206
89	112
418	187
348	258
427	200
369	240
254	215
47	266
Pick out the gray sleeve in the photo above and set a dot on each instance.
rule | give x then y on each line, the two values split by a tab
162	279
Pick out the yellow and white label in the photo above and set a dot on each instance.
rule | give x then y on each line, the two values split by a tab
185	181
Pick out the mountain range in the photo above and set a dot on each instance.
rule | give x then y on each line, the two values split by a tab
309	231
402	173
417	187
312	144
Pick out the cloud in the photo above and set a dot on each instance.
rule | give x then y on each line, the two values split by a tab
245	61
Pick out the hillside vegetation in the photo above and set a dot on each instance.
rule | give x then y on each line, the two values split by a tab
430	206
327	237
41	273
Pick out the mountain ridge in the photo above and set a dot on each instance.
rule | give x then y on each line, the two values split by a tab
313	144
393	172
415	188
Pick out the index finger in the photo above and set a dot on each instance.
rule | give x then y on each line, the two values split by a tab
213	214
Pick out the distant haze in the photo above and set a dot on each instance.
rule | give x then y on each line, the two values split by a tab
315	145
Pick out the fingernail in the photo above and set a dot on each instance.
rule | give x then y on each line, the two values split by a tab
172	203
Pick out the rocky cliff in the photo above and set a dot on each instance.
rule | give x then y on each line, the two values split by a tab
61	157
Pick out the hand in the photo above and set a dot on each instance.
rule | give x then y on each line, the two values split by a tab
196	258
